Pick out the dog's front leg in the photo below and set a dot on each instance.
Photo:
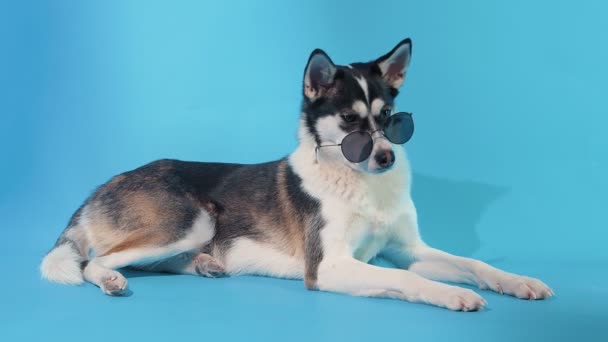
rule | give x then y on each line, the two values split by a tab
410	252
438	265
347	275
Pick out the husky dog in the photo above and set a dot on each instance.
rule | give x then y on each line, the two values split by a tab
315	215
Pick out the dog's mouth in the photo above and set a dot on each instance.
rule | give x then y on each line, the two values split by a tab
374	169
381	171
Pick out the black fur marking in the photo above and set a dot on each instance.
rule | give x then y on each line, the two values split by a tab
233	187
394	92
344	91
310	211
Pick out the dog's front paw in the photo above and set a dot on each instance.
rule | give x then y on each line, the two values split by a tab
520	287
457	299
526	288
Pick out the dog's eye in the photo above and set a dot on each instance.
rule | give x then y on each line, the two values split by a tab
350	117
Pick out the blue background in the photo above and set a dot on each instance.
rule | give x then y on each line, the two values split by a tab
509	157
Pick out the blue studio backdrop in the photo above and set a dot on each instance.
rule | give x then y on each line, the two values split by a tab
509	157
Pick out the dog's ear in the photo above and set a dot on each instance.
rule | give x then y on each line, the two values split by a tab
393	66
319	74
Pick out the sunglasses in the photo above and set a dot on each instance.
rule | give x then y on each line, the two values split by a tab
357	146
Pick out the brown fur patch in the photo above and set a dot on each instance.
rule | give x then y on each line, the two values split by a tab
145	207
131	241
134	218
106	238
293	230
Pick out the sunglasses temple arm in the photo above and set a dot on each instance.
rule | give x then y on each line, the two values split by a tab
318	147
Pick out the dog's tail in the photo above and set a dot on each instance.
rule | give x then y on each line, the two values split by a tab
63	264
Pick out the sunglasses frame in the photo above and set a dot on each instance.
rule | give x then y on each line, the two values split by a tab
371	137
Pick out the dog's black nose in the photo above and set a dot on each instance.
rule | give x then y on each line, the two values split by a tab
385	159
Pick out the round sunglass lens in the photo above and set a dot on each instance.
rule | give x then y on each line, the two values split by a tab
399	128
357	146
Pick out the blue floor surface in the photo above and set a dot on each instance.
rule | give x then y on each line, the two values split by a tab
175	307
509	155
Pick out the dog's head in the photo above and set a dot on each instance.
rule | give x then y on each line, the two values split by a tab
358	97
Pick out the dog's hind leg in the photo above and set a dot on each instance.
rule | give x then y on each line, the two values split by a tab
111	282
101	270
138	249
193	263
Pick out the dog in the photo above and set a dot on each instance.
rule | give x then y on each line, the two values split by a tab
314	215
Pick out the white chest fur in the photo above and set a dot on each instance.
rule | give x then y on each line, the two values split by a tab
361	210
367	238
